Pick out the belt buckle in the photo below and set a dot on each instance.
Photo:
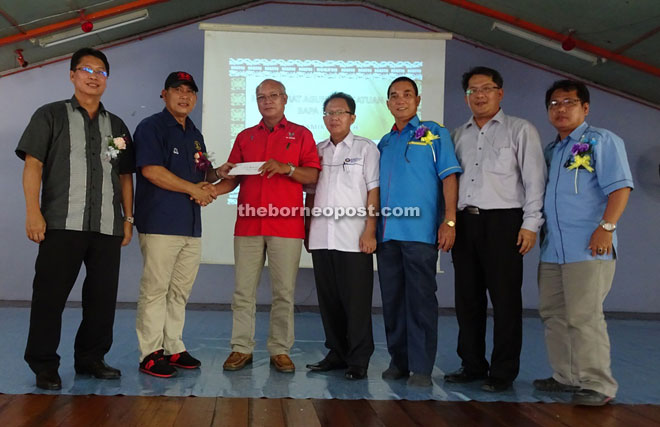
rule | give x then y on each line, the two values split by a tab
472	210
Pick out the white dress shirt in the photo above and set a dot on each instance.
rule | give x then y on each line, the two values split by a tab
349	170
503	167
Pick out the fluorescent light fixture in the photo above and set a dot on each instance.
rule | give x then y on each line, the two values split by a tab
543	41
99	27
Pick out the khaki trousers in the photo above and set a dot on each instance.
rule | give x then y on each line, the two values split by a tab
571	306
283	259
170	267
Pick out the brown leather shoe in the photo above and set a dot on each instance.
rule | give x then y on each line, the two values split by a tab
237	361
283	363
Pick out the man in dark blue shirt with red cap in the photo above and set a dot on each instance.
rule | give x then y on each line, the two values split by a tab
172	183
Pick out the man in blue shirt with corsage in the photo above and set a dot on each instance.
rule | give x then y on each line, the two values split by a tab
172	183
417	158
589	182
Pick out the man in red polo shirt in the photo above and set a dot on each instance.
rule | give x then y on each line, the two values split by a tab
270	222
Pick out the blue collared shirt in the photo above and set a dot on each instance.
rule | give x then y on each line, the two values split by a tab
161	141
572	216
411	174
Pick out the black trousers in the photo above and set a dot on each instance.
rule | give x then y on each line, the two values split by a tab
344	284
60	257
486	259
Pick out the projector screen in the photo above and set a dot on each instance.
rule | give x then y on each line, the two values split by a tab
312	63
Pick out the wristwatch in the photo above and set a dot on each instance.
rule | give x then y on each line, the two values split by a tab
450	223
607	226
293	169
129	219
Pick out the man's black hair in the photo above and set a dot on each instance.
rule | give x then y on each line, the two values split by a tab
341	95
402	79
568	85
88	51
485	71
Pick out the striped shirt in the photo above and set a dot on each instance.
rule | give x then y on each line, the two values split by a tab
80	185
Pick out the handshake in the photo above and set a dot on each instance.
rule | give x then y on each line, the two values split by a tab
205	192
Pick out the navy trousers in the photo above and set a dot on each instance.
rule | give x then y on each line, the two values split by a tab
406	271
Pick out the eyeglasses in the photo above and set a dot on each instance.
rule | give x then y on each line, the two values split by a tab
335	113
272	97
99	73
568	103
485	90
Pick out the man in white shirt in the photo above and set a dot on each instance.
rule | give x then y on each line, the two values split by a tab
499	201
341	236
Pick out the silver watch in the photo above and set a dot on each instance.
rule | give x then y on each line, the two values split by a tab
607	226
129	219
293	169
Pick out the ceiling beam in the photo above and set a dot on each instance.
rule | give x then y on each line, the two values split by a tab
546	32
638	40
51	28
11	20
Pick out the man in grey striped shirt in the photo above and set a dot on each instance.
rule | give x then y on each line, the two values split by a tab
81	158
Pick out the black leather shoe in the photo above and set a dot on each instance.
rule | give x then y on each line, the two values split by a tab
356	373
394	373
326	365
98	369
462	376
495	385
49	380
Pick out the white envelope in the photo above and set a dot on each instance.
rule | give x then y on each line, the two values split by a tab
247	168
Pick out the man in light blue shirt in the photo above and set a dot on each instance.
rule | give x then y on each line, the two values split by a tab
589	182
417	158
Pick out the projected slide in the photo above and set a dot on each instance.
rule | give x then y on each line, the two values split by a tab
311	66
308	83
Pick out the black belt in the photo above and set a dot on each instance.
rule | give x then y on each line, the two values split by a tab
472	210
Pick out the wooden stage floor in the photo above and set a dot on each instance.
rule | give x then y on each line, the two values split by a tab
72	411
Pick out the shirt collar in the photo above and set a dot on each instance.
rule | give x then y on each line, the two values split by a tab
498	117
75	104
575	135
282	124
171	121
414	122
348	141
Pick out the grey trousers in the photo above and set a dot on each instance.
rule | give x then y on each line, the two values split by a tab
571	306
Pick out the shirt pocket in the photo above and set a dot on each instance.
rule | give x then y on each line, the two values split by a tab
419	152
502	161
289	152
351	182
